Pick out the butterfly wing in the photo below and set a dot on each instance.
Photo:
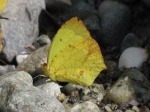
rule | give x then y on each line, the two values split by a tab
2	5
74	56
65	35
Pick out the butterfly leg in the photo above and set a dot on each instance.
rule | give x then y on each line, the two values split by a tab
40	76
48	80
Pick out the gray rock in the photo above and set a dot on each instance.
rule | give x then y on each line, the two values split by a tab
21	57
104	6
57	5
95	92
87	106
128	1
41	41
77	1
19	95
21	28
6	69
130	40
34	61
51	88
115	23
146	2
93	25
68	88
81	10
132	85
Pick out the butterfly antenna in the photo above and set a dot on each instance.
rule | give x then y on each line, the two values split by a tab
4	62
39	76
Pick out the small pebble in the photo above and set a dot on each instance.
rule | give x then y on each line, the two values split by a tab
128	110
21	57
87	106
136	109
133	57
130	40
51	88
41	41
61	97
107	108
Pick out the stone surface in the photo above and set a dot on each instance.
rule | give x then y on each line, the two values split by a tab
132	85
51	88
130	40
57	5
85	107
21	57
105	5
81	10
21	28
41	41
146	2
19	95
115	23
6	69
133	57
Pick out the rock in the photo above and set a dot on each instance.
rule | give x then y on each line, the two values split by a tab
57	5
108	109
41	41
142	26
134	103
77	1
128	110
115	23
68	88
6	69
128	1
51	88
92	23
111	65
61	97
21	57
85	107
81	10
21	29
34	61
130	40
95	92
104	6
146	2
136	109
58	2
133	57
41	80
132	85
18	94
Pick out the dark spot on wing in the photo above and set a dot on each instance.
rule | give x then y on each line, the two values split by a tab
71	46
81	72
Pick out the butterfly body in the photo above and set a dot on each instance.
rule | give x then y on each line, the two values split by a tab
74	56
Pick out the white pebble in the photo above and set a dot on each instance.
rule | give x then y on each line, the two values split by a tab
20	58
52	88
133	57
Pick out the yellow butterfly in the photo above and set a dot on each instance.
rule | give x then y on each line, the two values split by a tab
74	56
